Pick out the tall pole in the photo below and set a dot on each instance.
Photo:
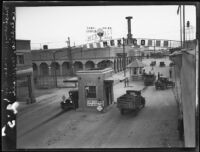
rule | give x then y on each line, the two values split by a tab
55	73
124	58
183	26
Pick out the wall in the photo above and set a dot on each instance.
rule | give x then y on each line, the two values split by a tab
23	45
96	79
25	86
188	88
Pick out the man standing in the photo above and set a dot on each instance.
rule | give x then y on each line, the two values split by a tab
158	75
170	73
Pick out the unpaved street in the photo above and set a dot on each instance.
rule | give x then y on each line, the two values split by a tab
153	126
45	125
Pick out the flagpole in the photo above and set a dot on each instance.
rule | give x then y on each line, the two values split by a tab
181	26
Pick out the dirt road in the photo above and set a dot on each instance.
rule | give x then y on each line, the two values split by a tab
153	126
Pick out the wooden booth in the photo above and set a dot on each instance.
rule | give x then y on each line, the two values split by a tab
95	88
136	69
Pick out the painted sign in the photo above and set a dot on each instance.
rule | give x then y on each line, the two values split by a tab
92	34
94	102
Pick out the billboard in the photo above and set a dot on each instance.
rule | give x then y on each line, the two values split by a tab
91	34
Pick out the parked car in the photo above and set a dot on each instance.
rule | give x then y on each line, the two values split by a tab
131	101
71	102
153	63
162	64
171	64
163	83
149	79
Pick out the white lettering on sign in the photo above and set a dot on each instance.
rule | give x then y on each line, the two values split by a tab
92	102
91	34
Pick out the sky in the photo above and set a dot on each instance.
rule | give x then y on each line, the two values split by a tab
53	25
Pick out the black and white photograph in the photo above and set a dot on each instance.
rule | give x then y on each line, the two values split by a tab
100	76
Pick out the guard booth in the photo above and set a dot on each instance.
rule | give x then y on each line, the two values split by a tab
95	87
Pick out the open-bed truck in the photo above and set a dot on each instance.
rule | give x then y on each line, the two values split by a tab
131	101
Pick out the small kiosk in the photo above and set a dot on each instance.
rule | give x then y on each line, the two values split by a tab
95	87
136	69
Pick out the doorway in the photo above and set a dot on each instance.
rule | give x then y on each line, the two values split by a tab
108	92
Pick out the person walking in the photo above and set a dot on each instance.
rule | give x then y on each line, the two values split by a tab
158	75
170	73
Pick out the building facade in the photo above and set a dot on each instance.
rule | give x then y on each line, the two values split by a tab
24	71
51	67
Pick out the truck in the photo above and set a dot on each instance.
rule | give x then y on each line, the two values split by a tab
149	79
131	101
164	83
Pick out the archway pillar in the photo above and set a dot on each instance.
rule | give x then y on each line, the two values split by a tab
49	68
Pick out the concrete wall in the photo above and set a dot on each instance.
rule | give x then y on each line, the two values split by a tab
23	45
188	88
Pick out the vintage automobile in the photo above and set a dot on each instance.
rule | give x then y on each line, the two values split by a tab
162	64
71	102
153	63
163	83
149	79
131	101
171	64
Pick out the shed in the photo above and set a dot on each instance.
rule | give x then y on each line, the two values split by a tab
95	87
136	68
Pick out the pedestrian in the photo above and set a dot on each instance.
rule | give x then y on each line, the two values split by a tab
158	75
127	82
170	73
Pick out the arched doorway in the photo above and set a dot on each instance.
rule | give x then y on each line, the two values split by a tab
89	65
55	69
44	69
66	69
78	66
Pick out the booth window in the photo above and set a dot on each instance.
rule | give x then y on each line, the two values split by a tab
135	71
140	70
91	91
20	59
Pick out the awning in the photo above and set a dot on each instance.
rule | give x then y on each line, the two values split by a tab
73	79
28	71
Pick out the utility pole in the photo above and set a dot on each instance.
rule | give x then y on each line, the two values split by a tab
55	68
183	26
70	57
154	47
124	58
124	62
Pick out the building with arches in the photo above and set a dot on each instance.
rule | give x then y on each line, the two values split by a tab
51	67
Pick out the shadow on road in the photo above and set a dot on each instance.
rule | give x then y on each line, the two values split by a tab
44	122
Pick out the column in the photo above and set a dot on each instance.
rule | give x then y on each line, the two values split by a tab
95	65
61	70
49	67
38	70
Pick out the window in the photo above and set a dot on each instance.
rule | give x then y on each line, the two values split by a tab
90	91
135	71
140	70
20	59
